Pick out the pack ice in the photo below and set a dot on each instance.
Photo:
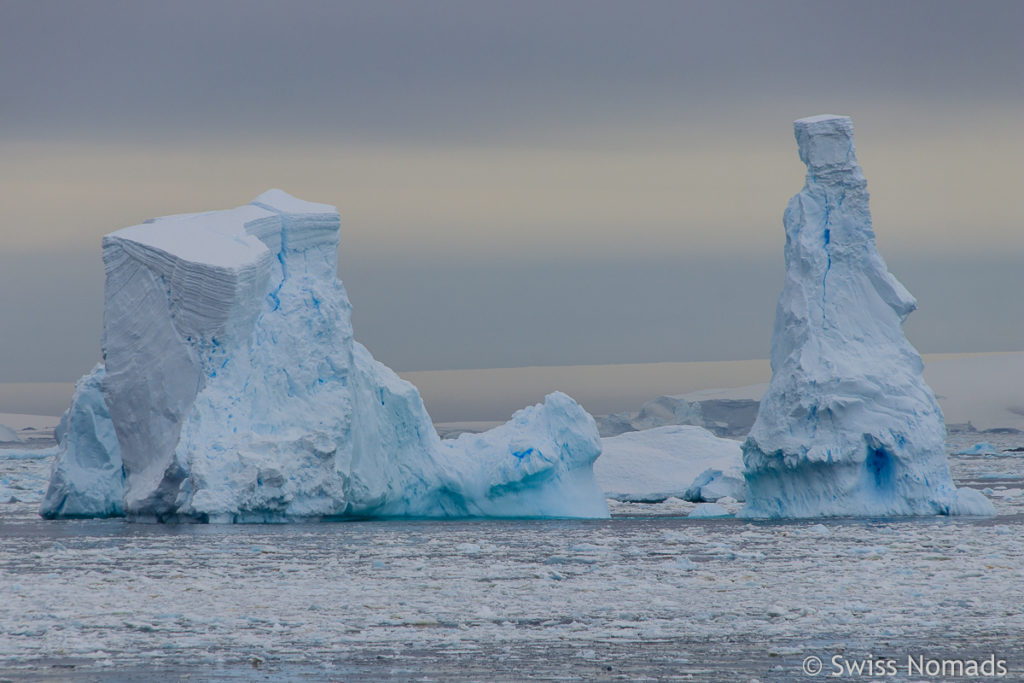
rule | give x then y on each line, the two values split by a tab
847	425
232	390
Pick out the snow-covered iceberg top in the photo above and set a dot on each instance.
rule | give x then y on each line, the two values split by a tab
232	389
847	425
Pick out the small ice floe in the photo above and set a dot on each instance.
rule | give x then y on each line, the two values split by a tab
709	511
27	453
981	448
685	564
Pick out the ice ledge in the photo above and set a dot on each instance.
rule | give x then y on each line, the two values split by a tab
280	201
309	234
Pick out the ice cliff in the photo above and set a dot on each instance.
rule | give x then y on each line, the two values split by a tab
847	425
232	390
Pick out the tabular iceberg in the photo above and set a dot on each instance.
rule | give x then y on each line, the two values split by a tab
236	392
847	425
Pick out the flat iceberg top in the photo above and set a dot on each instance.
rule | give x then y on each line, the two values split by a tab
282	202
216	238
819	118
825	142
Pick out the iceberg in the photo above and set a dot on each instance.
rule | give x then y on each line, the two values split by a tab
233	390
709	511
681	461
716	483
87	478
8	435
981	448
847	426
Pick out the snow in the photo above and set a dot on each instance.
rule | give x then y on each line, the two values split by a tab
216	239
847	425
238	394
655	464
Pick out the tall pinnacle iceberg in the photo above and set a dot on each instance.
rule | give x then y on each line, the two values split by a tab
848	425
232	389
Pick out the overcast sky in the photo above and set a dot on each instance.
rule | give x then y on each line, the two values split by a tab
519	182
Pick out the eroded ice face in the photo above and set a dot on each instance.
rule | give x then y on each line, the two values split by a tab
847	425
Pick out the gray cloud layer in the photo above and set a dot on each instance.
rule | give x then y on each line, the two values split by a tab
461	68
520	182
444	313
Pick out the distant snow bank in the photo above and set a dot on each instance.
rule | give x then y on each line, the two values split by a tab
20	422
985	391
980	391
980	388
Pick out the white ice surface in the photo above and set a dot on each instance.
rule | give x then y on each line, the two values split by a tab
847	425
663	462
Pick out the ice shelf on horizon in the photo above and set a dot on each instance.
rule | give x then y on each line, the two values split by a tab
847	425
232	390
